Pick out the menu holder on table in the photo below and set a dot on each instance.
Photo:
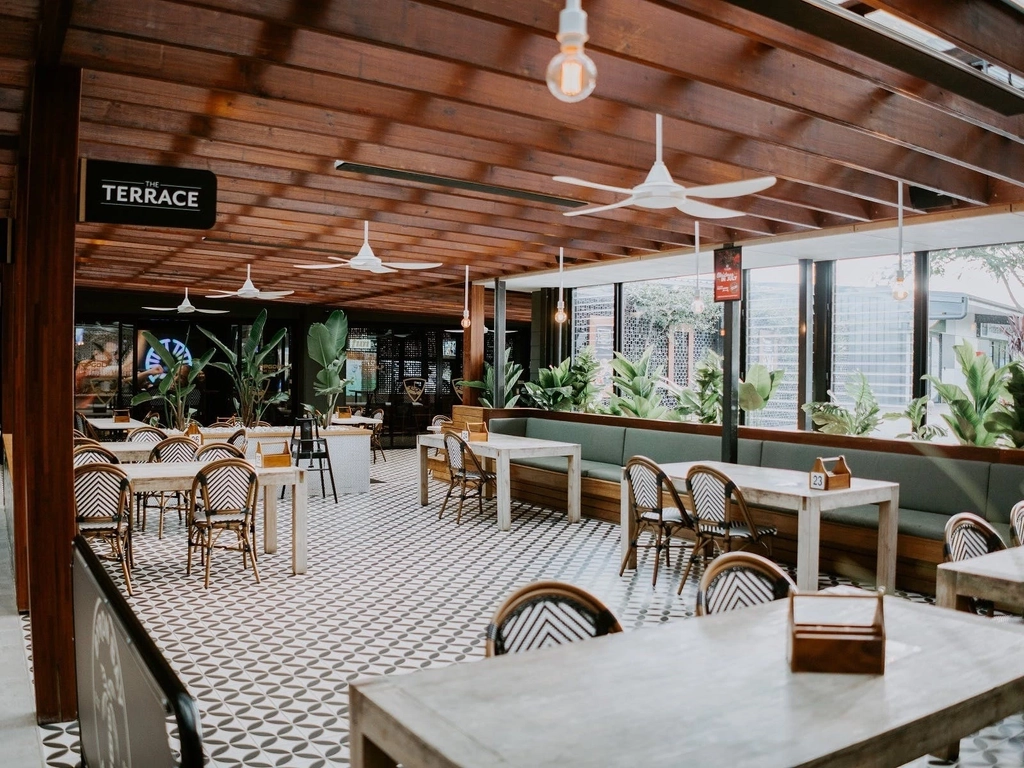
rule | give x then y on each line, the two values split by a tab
193	433
342	413
823	479
820	643
272	457
475	432
121	416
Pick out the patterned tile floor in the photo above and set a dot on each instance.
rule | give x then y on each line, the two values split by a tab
390	589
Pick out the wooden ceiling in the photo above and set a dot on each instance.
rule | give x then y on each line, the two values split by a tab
267	94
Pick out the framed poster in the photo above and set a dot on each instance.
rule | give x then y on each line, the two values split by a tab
729	274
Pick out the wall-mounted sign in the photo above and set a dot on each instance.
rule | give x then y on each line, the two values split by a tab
147	195
728	274
6	241
176	347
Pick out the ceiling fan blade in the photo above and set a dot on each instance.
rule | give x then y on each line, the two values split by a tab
731	188
412	264
599	208
318	266
161	309
592	184
212	311
705	211
380	270
271	295
222	295
338	258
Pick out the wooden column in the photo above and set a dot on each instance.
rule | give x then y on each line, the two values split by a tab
473	344
44	454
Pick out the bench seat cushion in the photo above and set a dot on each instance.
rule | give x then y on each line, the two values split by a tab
1005	488
516	427
598	442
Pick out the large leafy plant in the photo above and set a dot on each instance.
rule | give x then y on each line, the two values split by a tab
759	386
972	410
249	373
178	383
1008	423
637	387
704	399
512	373
568	386
326	345
835	419
915	413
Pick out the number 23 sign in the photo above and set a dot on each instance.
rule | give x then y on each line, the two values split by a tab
728	274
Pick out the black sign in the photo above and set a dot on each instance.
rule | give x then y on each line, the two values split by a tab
147	195
6	241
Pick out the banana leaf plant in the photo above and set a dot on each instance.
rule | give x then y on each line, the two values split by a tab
704	399
757	389
176	385
249	373
553	389
512	373
915	413
1009	422
835	419
637	387
326	345
973	409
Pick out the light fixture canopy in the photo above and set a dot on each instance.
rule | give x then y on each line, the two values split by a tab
465	322
560	313
899	286
572	75
698	303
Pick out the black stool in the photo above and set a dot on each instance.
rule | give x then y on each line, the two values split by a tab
306	443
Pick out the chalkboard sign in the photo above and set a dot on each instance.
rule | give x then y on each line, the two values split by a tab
147	195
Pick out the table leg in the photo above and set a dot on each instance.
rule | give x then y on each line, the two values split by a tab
299	513
363	752
807	545
946	597
575	486
504	472
626	523
424	483
270	519
888	530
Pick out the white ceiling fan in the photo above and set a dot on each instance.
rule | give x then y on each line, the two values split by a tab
186	308
250	291
368	261
660	191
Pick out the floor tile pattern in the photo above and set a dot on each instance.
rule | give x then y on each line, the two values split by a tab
390	589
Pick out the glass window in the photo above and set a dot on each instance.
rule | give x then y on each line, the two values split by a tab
593	325
773	339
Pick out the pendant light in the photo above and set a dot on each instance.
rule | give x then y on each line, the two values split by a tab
560	314
572	75
465	322
899	288
698	302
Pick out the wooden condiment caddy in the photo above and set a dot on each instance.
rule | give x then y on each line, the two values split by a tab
341	412
193	433
824	646
273	458
475	432
823	479
121	416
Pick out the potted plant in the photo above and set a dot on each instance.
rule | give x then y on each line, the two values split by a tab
512	373
835	419
326	345
178	383
971	411
637	387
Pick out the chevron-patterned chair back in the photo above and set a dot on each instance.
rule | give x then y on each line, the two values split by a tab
92	454
711	491
1017	524
237	439
739	580
146	435
648	484
968	535
453	450
174	449
80	441
440	420
547	613
225	488
102	496
217	451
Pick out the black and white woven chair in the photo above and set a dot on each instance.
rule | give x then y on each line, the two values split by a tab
223	499
238	439
721	514
173	449
740	580
217	451
1017	524
465	472
547	613
103	510
146	435
92	453
80	441
967	535
648	485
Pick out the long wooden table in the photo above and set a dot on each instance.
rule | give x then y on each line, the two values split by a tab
107	424
714	691
178	476
504	448
788	489
998	577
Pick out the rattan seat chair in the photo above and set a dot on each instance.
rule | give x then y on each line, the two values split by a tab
103	510
1017	524
307	445
82	425
440	421
80	441
721	514
648	485
547	613
223	498
967	535
465	472
146	435
238	439
76	432
173	449
376	433
740	580
93	453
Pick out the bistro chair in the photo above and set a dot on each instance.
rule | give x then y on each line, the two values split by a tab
264	424
378	415
238	439
375	441
227	421
76	432
648	484
218	451
223	498
1017	524
173	449
92	454
80	441
740	580
721	513
967	535
547	613
439	421
146	435
465	472
306	444
103	511
82	425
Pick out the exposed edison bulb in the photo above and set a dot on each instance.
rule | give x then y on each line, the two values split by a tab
465	322
698	305
571	75
560	313
899	287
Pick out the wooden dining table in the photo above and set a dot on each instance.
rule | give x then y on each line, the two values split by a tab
710	691
997	576
178	476
107	424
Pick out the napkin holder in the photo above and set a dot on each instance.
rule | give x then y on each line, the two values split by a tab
273	458
837	647
121	416
475	432
823	479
